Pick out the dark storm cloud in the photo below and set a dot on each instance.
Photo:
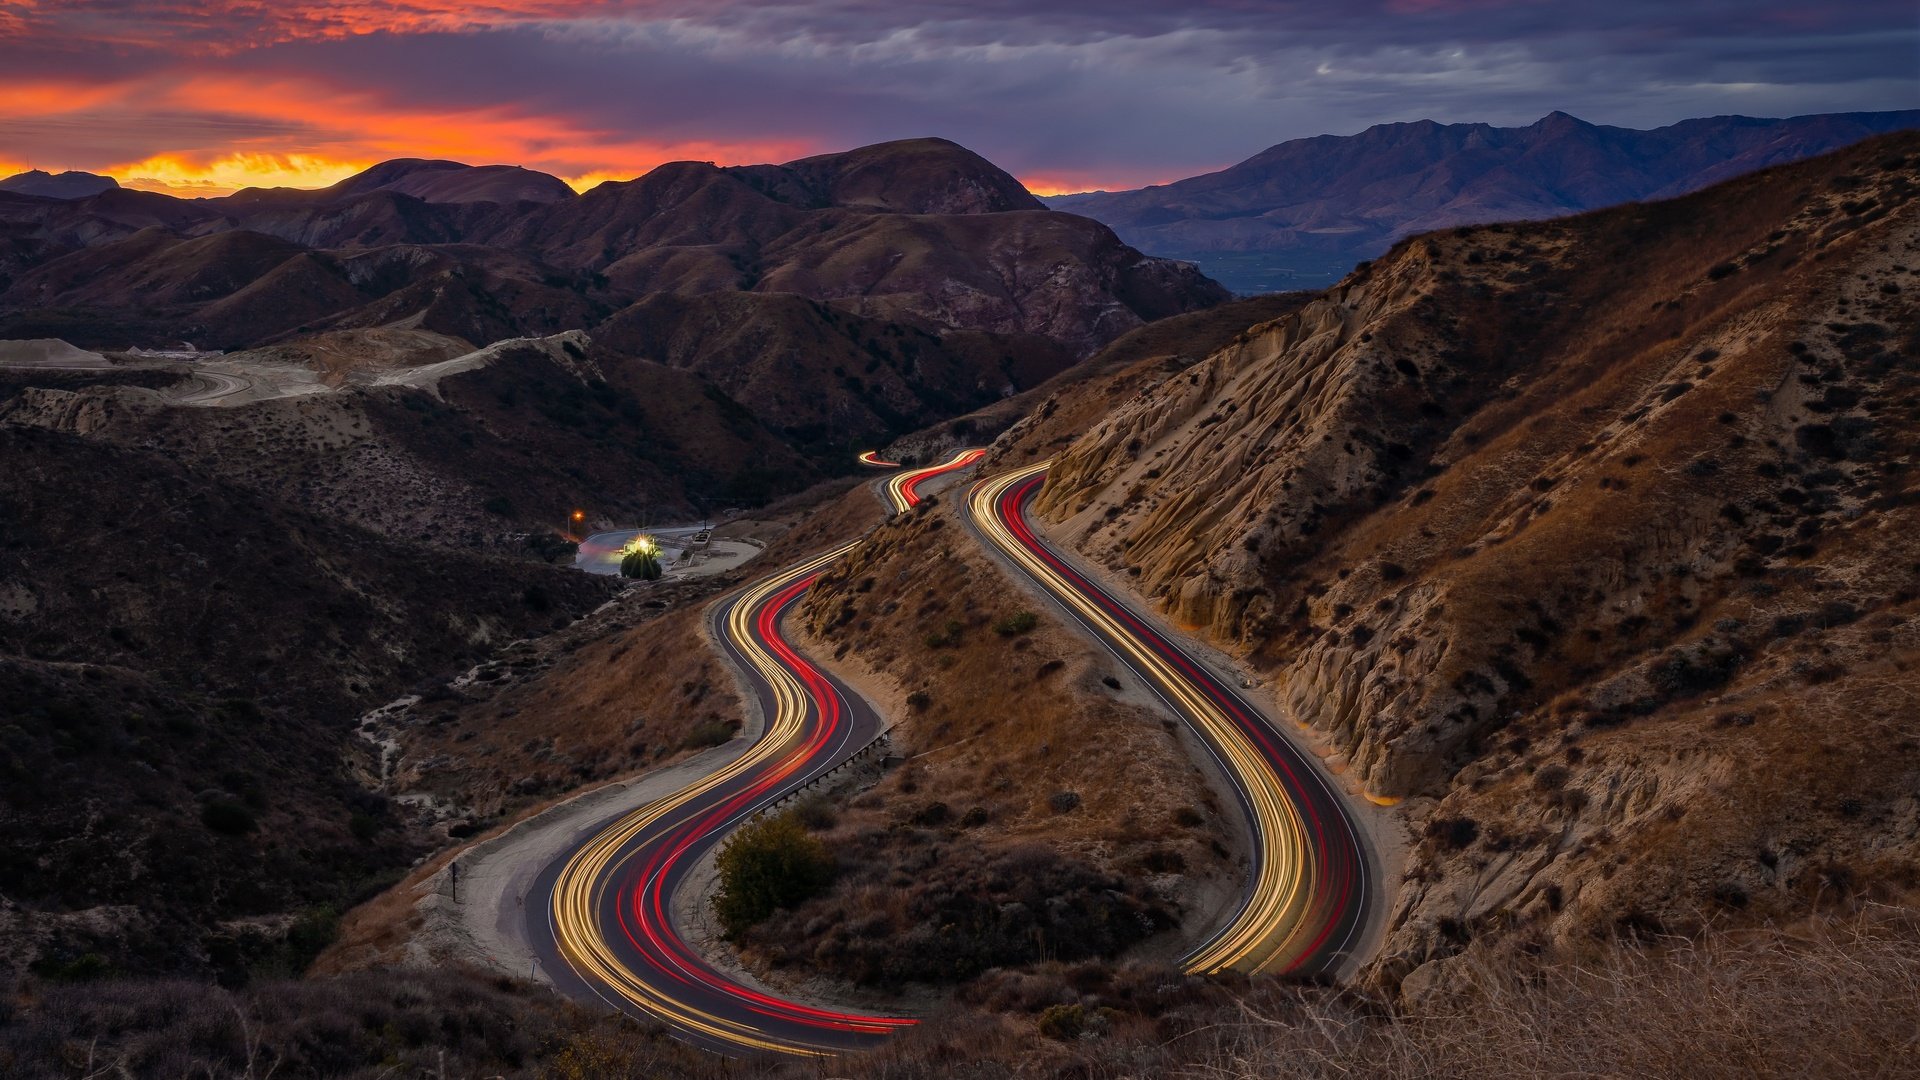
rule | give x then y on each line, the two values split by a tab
1124	91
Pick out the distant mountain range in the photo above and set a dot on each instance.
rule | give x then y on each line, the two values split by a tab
921	232
1301	214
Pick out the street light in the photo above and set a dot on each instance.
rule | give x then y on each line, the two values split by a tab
578	517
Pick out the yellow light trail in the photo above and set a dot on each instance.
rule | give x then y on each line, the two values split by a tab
1275	928
581	890
581	886
903	488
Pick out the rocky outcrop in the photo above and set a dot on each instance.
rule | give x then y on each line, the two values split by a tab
77	412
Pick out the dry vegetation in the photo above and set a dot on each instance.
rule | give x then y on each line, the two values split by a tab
546	717
179	663
1827	999
1002	838
1613	573
1092	386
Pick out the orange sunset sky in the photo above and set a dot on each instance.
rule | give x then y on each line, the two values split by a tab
208	96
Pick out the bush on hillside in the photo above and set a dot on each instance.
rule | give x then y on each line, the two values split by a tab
769	864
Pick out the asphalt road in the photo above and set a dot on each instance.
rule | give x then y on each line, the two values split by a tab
601	918
212	387
903	489
1313	891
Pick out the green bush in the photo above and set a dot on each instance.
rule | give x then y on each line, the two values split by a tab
1017	623
644	565
707	733
769	864
1063	1022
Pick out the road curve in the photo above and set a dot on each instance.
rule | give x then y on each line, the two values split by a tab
903	489
601	917
212	388
1311	897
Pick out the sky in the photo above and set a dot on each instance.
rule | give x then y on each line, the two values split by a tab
205	96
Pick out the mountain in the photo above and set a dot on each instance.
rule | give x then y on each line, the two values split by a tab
1302	213
66	185
1611	578
429	181
923	233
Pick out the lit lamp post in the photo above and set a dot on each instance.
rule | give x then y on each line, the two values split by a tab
579	516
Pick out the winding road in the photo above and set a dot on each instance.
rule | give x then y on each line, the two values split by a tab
903	489
601	917
1312	894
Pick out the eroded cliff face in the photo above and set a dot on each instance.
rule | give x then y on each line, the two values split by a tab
1593	537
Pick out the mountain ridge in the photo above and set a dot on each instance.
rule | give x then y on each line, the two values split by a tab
1330	201
922	231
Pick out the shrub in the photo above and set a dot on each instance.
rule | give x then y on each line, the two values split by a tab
552	547
1454	833
1017	623
642	564
707	733
816	813
769	864
1063	1022
932	815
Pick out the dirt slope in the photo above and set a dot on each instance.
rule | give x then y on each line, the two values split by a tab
1596	532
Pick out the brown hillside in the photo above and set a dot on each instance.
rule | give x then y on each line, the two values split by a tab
1002	839
180	658
826	375
909	176
480	458
1597	532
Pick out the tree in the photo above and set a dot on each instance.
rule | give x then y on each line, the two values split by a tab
770	863
642	563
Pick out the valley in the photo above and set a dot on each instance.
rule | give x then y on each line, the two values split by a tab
1081	672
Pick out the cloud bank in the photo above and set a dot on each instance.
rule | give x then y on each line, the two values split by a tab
205	97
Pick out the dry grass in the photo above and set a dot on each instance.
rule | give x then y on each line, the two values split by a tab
1837	1000
1825	999
570	716
440	1025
